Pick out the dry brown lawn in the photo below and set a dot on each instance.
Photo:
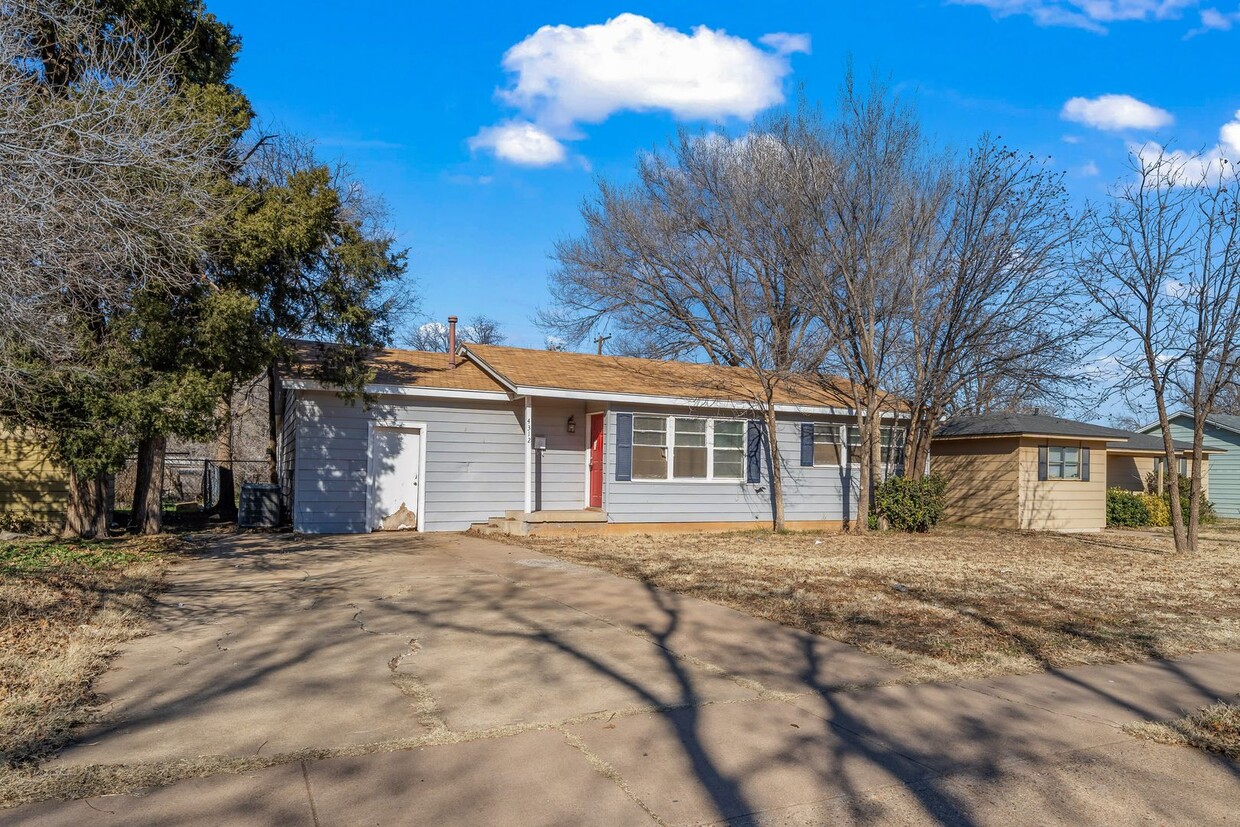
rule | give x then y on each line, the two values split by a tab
955	603
65	608
1215	728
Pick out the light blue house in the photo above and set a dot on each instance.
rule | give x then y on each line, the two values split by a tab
1222	432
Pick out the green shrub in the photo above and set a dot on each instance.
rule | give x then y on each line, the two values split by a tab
1207	513
1159	511
910	504
1126	508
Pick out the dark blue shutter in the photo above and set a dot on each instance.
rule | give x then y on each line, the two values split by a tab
807	444
1043	458
1084	465
624	447
753	452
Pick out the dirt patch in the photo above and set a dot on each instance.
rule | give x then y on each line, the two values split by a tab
956	603
1215	728
65	608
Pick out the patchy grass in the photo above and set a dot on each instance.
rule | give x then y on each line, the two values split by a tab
65	607
955	603
1215	728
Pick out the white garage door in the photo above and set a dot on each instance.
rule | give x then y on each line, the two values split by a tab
395	466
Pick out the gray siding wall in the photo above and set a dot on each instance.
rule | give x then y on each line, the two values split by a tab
809	493
287	450
474	463
1224	468
560	470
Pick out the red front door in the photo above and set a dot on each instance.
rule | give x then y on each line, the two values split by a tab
596	460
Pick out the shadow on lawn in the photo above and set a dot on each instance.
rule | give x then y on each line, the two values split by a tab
553	638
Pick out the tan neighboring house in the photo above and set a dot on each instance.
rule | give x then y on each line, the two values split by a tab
32	487
1131	464
1025	471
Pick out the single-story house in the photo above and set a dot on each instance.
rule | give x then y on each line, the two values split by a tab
1024	471
1222	434
1133	464
533	440
33	488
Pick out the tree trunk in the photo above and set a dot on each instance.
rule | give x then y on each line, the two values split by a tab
862	521
147	516
273	426
778	521
86	515
1178	532
226	506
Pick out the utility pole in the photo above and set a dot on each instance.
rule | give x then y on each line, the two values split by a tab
600	340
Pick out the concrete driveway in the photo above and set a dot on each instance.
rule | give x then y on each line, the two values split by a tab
453	680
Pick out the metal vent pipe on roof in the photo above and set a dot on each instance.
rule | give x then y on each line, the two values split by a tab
452	341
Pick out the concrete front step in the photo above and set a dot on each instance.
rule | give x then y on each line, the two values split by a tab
579	515
521	523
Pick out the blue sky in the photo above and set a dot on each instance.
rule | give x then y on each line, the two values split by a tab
484	161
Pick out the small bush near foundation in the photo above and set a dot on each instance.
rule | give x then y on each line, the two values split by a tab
910	504
1126	508
1159	511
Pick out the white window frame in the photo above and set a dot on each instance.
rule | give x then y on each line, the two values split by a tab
710	478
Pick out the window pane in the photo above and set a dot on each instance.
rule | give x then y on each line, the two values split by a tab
729	465
649	462
826	453
690	463
1071	454
650	430
729	434
826	433
691	433
1071	471
854	436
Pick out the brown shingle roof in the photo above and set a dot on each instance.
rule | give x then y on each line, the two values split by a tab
574	372
650	377
414	368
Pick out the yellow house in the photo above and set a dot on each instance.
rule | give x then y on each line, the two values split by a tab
1024	471
32	487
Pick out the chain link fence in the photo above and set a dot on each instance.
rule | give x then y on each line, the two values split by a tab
190	485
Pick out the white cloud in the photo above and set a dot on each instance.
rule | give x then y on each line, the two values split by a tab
1092	15
564	76
1089	169
520	142
1115	112
1213	20
786	43
1195	168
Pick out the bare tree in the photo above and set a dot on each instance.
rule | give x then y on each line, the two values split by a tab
704	256
433	336
875	195
992	313
1162	262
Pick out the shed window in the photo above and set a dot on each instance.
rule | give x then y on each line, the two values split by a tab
1063	463
649	448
